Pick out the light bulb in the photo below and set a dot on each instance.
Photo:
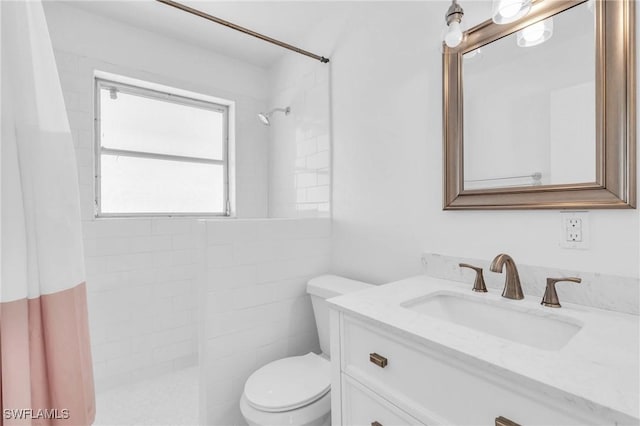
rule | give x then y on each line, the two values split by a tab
506	11
533	32
453	37
509	9
536	33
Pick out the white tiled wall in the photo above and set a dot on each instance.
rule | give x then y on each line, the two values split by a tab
255	304
142	297
300	152
141	272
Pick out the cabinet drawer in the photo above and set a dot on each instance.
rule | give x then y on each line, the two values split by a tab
361	407
440	390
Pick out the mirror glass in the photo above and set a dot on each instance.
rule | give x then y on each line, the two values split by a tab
529	105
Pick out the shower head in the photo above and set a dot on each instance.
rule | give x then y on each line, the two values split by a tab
265	117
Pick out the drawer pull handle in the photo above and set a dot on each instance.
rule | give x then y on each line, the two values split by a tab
378	360
503	421
376	424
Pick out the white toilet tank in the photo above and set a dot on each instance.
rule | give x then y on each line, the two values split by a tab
325	287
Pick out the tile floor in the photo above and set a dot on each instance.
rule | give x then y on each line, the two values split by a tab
170	399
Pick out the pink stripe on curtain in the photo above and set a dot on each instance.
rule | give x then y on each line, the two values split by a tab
46	370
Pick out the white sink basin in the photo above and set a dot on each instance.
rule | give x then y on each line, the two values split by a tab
532	327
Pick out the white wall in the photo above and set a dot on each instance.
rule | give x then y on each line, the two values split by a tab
255	305
387	164
141	272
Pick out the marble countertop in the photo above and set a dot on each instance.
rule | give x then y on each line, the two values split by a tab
597	369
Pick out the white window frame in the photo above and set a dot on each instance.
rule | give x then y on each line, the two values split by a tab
164	96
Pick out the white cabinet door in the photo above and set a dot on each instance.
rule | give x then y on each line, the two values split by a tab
361	407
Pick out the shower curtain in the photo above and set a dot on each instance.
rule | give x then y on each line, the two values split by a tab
46	373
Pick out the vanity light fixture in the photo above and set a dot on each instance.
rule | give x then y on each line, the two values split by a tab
453	18
536	33
506	11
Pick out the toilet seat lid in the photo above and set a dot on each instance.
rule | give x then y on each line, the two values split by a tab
289	383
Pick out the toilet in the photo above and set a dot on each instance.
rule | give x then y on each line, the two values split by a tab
296	391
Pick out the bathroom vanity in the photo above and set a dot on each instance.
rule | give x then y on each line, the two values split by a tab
431	351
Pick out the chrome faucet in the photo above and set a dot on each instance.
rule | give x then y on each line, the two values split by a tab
512	287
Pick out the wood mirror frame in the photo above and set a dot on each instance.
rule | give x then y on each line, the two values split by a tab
615	185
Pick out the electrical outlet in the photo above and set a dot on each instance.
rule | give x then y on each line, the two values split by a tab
574	229
574	232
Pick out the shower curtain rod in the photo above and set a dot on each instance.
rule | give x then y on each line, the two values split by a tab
242	29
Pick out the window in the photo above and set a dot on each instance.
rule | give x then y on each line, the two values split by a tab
159	153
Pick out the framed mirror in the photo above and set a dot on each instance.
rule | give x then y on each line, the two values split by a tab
540	113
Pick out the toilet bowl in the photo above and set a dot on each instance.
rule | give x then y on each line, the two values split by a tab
289	391
296	391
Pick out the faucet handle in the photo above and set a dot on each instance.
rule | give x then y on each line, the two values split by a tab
550	297
478	284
